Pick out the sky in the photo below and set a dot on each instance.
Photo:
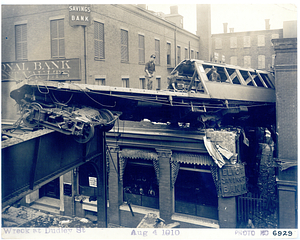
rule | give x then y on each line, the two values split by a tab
241	17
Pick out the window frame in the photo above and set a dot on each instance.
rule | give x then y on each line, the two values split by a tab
141	48
23	53
60	40
99	55
124	45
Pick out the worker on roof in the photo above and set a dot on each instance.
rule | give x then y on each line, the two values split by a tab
150	69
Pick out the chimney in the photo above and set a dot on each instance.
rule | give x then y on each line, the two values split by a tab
225	27
267	24
174	9
231	30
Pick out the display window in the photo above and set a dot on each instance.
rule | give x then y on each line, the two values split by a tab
140	184
195	191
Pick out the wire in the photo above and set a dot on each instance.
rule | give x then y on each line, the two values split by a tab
103	105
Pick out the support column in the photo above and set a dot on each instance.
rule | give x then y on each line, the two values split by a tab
166	196
101	180
115	187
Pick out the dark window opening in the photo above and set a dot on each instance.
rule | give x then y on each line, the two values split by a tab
196	194
140	184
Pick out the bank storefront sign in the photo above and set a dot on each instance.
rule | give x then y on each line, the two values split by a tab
60	70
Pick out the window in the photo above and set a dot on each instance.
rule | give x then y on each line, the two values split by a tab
100	80
192	54
186	53
21	42
141	49
218	43
99	40
247	41
261	40
261	62
124	46
233	42
142	83
125	82
198	57
233	60
247	61
140	184
158	81
157	52
57	38
168	53
178	54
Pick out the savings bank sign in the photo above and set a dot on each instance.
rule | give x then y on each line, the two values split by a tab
79	15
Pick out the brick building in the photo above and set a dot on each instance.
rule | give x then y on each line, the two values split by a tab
253	49
109	47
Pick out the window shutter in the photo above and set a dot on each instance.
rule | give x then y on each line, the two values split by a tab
141	49
124	45
21	41
99	40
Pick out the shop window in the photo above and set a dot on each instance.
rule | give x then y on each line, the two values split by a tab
99	40
195	192
57	38
140	184
157	52
21	41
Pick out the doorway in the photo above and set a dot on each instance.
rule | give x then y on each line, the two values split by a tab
51	189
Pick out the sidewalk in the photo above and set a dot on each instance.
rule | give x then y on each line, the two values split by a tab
28	217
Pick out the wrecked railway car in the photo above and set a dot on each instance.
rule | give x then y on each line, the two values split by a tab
239	97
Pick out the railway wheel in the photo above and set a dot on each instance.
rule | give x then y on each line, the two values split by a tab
88	132
30	114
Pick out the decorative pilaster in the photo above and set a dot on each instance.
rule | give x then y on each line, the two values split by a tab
166	196
115	186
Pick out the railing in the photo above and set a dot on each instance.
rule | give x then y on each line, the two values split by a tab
248	205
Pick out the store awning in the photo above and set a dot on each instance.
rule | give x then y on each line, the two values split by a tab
138	153
193	158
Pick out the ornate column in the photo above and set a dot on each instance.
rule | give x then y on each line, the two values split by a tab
286	116
166	196
115	186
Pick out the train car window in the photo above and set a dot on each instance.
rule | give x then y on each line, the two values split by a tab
233	76
247	77
256	79
266	80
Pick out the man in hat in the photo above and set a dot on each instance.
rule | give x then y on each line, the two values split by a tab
150	69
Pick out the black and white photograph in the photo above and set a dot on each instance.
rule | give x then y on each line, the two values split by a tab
149	121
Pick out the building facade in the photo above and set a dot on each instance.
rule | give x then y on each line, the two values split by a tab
91	44
253	49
